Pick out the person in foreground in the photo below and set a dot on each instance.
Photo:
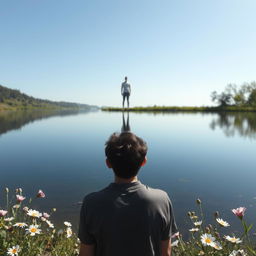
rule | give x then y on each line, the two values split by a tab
126	218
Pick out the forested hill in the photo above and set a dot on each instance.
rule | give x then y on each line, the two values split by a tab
14	99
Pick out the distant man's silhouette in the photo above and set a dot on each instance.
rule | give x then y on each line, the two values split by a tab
126	91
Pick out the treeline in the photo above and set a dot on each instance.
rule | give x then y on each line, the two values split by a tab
234	95
16	99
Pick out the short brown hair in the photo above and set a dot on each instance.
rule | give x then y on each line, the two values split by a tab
126	152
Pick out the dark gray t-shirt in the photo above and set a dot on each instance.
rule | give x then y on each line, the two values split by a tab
127	219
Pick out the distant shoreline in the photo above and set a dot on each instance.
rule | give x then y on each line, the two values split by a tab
181	109
9	108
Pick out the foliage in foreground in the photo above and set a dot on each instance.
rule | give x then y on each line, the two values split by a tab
207	239
27	232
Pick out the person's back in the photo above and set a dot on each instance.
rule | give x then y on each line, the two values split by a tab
126	88
126	91
126	218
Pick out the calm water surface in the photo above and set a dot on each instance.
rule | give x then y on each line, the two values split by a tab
207	156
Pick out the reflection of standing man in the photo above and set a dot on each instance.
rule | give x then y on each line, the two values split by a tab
126	91
126	125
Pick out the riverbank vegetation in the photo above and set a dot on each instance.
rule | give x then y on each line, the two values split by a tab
237	96
24	231
15	100
157	109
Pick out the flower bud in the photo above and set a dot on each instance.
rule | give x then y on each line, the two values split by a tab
198	201
216	214
40	194
217	234
189	214
207	230
46	215
7	190
25	209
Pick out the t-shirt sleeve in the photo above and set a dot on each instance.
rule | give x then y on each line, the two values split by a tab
84	228
170	225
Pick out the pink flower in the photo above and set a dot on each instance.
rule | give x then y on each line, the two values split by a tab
176	234
46	215
3	213
40	194
239	212
20	198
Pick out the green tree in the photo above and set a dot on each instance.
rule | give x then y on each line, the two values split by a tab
223	99
252	98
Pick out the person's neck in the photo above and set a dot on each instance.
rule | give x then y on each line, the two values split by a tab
119	180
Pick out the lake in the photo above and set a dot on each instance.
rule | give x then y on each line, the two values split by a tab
191	155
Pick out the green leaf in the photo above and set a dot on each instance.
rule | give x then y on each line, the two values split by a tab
251	250
3	234
249	228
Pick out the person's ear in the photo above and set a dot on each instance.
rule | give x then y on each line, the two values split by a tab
108	163
144	161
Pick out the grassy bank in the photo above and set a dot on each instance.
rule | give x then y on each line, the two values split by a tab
11	99
182	109
25	231
7	107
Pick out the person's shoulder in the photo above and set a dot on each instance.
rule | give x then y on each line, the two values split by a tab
95	196
156	193
155	190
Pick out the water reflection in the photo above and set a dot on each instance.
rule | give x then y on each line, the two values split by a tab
243	124
14	120
126	123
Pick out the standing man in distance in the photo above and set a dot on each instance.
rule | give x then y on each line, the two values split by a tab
126	91
127	218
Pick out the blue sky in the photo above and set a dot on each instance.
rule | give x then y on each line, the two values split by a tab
173	52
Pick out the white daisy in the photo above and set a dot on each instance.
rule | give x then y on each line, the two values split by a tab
208	239
198	223
222	222
194	229
175	243
68	224
217	245
20	224
14	250
69	232
8	219
33	230
34	213
49	224
238	253
233	239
